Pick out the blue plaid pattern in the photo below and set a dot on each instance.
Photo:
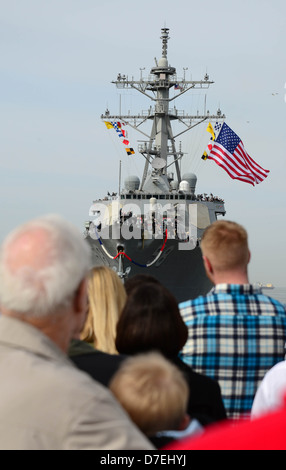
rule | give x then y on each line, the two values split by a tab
236	334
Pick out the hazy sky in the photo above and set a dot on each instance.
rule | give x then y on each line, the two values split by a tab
58	58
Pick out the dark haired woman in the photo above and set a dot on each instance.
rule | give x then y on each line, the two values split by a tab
151	321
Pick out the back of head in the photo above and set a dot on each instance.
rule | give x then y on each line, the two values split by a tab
41	265
151	320
137	280
107	296
225	244
153	391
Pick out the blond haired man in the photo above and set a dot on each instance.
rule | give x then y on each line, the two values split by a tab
235	332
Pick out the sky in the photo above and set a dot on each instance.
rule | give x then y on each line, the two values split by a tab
58	59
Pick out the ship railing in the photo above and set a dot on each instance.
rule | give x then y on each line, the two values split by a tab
142	148
159	196
176	196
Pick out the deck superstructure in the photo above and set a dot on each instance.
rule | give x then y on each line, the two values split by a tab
155	224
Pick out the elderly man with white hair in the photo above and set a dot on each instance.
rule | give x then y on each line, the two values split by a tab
45	401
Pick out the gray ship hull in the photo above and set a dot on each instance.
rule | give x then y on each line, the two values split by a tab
181	271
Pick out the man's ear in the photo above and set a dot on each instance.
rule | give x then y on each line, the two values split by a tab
208	265
209	269
80	298
79	309
184	423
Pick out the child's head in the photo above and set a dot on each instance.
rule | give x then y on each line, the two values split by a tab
153	391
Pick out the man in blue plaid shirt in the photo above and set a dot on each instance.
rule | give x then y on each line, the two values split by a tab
236	333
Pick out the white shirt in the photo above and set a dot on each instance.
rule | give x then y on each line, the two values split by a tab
271	392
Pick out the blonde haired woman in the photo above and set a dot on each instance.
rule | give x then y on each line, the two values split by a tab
107	297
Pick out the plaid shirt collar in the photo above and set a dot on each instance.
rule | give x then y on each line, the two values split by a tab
235	289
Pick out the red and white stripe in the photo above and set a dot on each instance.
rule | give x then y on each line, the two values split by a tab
238	165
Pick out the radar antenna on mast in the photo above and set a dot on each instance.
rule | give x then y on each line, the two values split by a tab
164	37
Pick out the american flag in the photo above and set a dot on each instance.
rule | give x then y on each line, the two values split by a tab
229	153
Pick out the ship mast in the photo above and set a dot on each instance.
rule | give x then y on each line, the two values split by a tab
161	142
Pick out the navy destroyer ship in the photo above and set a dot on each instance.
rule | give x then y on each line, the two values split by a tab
154	225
